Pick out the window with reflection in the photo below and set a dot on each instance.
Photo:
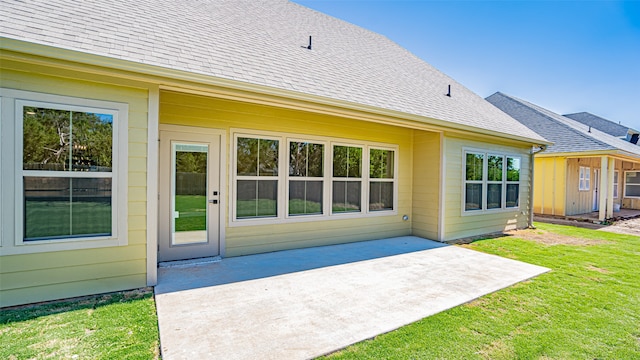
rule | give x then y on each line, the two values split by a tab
473	181
632	184
381	179
318	179
492	181
67	160
257	177
306	178
513	182
347	179
584	176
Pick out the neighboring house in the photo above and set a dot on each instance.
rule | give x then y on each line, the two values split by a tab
607	126
142	131
585	170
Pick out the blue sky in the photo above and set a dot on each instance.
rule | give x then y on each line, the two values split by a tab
566	56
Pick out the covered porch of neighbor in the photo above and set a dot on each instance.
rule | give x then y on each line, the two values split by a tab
587	186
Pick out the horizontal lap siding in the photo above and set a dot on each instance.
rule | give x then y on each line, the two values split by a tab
72	289
202	111
51	275
426	184
457	225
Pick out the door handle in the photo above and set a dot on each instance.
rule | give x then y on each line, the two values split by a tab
213	201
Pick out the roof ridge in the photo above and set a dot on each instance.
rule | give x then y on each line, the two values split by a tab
539	109
587	116
574	126
262	43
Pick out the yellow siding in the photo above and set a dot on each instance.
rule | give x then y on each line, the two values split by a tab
45	276
72	289
549	186
458	225
426	184
202	111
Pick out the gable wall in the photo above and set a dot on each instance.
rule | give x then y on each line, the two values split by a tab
44	276
457	223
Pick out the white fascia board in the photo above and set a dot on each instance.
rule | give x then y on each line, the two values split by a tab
166	76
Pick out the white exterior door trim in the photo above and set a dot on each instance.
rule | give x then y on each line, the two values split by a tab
223	191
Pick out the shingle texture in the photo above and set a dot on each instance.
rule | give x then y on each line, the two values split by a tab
599	123
258	42
568	136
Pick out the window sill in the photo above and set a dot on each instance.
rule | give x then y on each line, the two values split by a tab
490	211
310	218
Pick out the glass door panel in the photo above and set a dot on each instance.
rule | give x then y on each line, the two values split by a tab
189	193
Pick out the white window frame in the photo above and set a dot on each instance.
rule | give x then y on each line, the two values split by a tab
503	195
283	178
325	187
380	180
360	180
584	178
616	182
483	199
257	177
485	182
637	172
13	103
508	182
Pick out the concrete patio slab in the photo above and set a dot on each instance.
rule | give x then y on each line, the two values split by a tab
300	304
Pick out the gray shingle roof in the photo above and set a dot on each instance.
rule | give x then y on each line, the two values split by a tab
258	42
599	123
568	136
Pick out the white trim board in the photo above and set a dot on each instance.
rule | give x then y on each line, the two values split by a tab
152	184
12	130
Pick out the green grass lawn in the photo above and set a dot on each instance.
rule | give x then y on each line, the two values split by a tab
112	326
587	307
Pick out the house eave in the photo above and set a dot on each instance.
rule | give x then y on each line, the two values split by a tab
184	81
618	154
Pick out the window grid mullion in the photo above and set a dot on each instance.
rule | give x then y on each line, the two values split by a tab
70	174
486	182
505	165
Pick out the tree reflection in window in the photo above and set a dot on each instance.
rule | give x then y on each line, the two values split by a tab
306	162
58	142
257	171
347	173
381	169
62	140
